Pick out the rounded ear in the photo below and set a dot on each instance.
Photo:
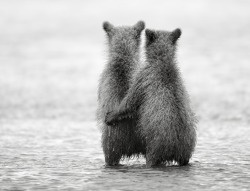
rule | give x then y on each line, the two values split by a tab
175	35
139	26
150	36
107	26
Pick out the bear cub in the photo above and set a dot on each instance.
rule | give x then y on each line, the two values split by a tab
121	140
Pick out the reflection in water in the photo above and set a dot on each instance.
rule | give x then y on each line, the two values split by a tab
69	156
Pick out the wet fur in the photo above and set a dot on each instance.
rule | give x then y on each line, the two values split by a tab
158	99
121	140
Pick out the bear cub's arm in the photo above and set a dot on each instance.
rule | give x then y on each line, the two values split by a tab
116	116
129	105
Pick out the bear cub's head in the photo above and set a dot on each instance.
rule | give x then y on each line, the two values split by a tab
124	39
161	43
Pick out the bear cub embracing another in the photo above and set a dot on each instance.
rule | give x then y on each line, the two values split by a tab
153	112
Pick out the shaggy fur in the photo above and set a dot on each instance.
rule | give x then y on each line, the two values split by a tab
120	140
160	102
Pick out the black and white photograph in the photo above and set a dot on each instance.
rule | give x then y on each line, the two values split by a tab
124	95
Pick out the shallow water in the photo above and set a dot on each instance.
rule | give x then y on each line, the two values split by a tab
67	156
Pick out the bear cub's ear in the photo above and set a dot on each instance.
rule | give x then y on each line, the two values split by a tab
175	35
139	26
107	27
150	36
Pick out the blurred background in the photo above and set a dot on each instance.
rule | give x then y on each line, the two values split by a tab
52	53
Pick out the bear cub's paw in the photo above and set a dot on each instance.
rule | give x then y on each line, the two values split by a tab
111	118
114	117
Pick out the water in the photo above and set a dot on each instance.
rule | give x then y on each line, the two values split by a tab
51	55
67	156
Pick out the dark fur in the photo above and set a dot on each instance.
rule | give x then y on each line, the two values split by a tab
120	140
160	102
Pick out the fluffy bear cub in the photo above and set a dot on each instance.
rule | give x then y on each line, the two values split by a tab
123	43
